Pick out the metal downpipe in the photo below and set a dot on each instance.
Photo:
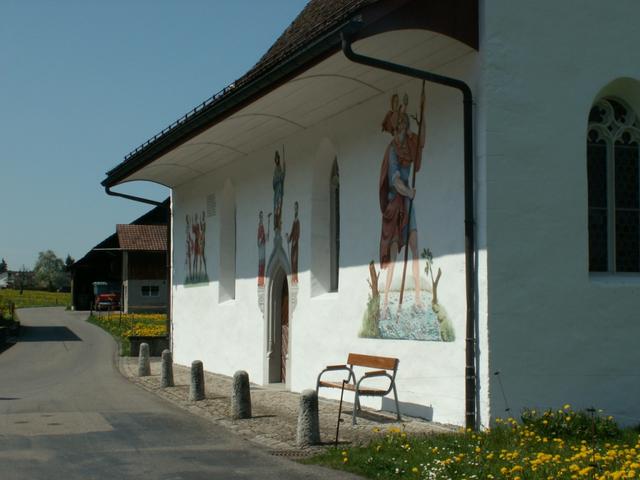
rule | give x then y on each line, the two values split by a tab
469	222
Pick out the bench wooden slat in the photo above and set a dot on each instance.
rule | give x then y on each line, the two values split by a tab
371	361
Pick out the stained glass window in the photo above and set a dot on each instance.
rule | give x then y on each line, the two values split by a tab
613	171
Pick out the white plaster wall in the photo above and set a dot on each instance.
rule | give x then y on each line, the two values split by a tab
324	327
558	334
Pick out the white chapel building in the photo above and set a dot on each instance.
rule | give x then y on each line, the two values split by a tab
454	183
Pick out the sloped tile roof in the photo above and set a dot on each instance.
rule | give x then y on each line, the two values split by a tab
142	237
317	17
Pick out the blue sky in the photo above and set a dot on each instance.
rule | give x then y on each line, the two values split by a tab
82	83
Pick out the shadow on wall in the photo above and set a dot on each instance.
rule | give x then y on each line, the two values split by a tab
410	409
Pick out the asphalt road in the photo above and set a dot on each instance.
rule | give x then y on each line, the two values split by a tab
66	412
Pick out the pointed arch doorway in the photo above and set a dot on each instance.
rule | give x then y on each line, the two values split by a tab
278	314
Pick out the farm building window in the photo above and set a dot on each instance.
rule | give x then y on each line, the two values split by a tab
150	291
613	171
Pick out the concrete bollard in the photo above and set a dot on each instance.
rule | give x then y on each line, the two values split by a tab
196	392
144	367
241	396
166	376
308	420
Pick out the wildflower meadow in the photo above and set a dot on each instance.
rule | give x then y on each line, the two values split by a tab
549	445
123	325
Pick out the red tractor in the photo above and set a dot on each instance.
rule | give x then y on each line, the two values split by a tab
106	296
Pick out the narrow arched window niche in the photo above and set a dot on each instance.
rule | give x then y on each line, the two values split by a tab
334	205
613	172
227	258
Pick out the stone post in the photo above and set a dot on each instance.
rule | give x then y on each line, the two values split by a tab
144	367
308	420
166	376
196	392
241	396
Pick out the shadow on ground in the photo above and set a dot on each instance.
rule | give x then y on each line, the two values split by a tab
47	334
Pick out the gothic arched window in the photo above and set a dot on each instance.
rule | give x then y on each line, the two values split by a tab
334	200
613	171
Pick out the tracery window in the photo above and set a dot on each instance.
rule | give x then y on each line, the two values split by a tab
613	171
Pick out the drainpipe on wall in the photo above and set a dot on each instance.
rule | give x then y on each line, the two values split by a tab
148	201
469	222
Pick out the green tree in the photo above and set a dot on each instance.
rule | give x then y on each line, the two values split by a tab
3	266
49	271
68	262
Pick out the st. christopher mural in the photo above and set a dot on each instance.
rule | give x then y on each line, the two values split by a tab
286	255
196	260
403	302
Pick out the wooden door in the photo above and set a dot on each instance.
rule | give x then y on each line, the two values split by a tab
284	341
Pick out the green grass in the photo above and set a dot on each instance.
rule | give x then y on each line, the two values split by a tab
31	298
121	326
548	446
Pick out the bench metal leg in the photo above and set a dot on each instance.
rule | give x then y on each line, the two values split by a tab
395	396
356	403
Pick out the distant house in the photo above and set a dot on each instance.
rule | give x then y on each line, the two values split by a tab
18	279
133	259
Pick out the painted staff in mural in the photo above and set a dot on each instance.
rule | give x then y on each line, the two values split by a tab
189	248
262	242
399	226
203	250
279	173
293	239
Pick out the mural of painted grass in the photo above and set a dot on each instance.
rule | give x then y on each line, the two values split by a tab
554	444
127	325
417	318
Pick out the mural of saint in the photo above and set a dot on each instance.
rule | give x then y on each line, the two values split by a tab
279	173
195	256
293	239
385	315
396	194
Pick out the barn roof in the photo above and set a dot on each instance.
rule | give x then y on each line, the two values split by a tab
142	237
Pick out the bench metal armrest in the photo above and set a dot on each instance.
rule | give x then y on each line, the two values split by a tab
376	373
333	368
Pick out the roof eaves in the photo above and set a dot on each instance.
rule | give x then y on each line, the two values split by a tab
226	101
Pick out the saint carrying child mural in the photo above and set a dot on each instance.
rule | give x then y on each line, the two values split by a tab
409	307
196	260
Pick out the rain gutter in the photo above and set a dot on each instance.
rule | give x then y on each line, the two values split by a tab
471	379
148	201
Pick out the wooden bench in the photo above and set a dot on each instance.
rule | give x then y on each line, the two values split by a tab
384	367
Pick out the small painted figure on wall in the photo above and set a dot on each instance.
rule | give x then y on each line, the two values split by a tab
293	239
262	242
279	173
195	258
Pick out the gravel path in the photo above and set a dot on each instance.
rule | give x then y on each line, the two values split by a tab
274	411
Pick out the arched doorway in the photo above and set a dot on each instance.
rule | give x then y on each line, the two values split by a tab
278	326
